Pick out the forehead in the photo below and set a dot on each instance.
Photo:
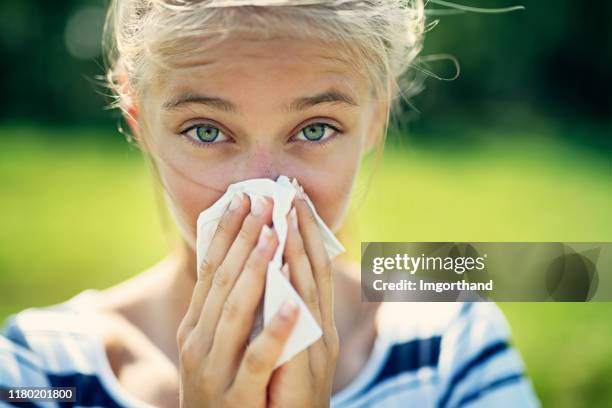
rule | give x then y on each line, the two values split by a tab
278	68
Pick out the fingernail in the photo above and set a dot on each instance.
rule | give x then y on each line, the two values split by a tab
257	206
293	218
236	201
287	309
264	237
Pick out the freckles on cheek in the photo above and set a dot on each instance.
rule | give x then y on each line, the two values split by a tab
178	163
330	189
191	195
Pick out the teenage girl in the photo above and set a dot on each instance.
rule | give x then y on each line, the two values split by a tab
219	91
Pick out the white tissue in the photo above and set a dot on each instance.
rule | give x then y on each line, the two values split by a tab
278	288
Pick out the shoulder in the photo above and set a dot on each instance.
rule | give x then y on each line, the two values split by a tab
58	339
56	346
477	363
448	355
37	327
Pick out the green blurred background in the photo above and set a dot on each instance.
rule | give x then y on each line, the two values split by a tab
516	149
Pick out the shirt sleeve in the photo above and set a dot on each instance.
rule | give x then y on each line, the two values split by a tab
20	366
479	367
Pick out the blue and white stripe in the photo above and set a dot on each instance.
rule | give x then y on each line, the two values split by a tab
439	355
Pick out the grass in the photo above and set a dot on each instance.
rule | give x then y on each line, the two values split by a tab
77	210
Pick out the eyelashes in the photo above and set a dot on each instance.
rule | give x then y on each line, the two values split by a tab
206	135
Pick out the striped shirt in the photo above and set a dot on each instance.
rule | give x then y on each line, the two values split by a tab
425	355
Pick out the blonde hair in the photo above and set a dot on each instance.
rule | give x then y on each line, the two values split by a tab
380	38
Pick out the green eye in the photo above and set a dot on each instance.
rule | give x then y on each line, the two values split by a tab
314	132
207	133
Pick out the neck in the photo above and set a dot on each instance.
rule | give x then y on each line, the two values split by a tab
156	300
350	312
176	294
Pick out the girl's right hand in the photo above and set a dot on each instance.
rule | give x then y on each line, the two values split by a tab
217	367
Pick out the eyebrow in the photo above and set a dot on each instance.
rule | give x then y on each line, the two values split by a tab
299	104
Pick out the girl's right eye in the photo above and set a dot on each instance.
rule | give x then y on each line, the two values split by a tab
203	134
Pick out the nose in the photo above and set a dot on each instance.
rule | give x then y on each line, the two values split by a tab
261	162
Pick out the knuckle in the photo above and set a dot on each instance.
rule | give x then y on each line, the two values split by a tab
332	342
255	362
254	270
325	274
188	356
231	310
235	399
275	335
206	268
253	263
222	277
209	382
222	231
244	234
299	252
181	335
311	295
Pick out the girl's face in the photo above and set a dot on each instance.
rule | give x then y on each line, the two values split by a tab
247	109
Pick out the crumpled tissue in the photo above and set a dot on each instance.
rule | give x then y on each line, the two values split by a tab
277	287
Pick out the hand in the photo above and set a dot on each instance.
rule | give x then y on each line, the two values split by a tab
217	368
306	380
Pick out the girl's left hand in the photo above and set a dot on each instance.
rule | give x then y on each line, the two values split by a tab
306	380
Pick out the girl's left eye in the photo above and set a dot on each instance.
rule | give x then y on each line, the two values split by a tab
317	132
204	134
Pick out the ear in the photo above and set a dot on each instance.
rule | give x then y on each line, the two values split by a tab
130	106
130	114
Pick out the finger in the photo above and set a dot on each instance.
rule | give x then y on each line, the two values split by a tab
299	265
224	235
294	375
238	312
261	355
228	227
226	274
319	260
200	290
